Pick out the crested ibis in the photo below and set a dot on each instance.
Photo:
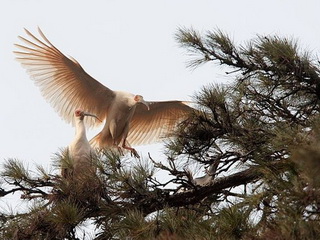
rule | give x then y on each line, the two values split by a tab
79	150
129	119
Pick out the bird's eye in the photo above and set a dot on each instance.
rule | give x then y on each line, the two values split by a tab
78	112
137	98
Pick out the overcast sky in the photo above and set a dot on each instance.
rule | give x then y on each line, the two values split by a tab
127	45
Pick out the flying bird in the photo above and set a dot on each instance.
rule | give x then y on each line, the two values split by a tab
129	119
79	150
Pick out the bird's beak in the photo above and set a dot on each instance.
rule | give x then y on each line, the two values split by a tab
91	115
145	103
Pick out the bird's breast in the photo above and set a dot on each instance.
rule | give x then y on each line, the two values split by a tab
117	122
121	112
79	149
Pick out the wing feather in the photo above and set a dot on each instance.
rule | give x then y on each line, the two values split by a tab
62	80
159	122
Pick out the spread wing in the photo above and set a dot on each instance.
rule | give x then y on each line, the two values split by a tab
62	81
159	122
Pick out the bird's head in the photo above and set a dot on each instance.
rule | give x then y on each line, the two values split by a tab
139	99
80	114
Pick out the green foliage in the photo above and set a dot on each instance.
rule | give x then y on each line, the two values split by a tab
135	225
15	170
232	223
268	115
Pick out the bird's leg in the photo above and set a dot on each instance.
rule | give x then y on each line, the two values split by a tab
132	150
116	146
120	151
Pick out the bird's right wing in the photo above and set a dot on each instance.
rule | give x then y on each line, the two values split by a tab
62	81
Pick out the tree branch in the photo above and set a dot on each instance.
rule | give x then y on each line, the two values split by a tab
197	195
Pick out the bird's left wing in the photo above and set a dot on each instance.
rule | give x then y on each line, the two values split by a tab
152	125
62	80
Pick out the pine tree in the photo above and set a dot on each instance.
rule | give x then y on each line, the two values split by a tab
256	140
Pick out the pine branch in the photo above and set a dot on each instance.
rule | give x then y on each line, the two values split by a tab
219	185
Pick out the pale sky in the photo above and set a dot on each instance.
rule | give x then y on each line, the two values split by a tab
126	45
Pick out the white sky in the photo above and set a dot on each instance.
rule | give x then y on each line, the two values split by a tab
127	45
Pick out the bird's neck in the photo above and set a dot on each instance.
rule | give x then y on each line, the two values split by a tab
80	130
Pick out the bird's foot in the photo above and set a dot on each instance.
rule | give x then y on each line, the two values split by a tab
120	151
134	153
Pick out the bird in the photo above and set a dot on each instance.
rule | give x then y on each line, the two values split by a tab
79	150
129	119
209	177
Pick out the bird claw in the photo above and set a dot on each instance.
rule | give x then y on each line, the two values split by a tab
134	153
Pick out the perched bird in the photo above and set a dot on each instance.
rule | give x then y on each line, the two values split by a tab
209	177
79	150
129	119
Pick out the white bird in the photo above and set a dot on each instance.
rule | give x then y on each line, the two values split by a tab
79	149
209	177
65	84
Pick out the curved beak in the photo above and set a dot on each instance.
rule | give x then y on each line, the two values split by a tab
91	115
145	103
